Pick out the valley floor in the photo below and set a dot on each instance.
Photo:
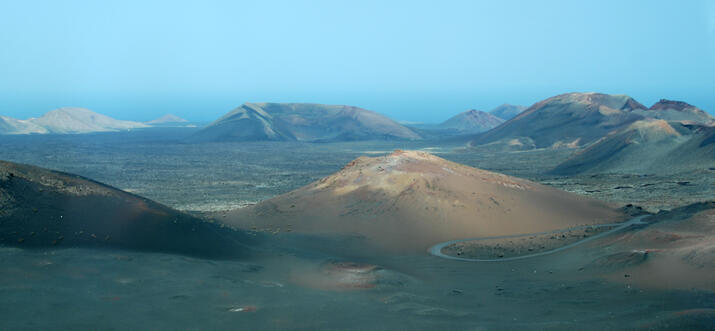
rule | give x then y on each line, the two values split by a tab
222	176
83	289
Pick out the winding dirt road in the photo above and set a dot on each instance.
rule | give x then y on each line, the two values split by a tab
436	250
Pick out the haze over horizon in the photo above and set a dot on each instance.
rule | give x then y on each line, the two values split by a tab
425	64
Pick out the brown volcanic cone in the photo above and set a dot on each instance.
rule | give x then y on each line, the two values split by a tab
407	201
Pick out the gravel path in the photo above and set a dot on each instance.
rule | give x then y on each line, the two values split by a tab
436	250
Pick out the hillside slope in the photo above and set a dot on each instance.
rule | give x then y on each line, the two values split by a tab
81	120
647	146
302	122
676	252
167	119
408	201
66	120
471	121
569	119
507	111
44	208
10	125
670	110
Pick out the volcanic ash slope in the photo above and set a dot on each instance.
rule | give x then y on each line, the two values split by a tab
677	251
43	208
408	200
571	119
650	145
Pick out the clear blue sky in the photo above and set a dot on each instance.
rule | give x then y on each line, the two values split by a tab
412	60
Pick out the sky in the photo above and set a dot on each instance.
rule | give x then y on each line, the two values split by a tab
416	61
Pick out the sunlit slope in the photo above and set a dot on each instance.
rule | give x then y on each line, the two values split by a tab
9	125
44	208
302	122
407	201
66	120
81	120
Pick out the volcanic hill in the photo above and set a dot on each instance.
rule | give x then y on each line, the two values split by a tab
302	122
647	146
574	119
680	111
471	121
507	111
168	119
9	125
44	208
81	120
408	201
66	120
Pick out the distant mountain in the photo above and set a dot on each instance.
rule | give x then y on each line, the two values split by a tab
572	119
45	208
471	121
650	145
167	119
507	111
66	120
676	111
302	122
10	125
81	120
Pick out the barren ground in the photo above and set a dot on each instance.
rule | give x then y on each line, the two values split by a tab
306	282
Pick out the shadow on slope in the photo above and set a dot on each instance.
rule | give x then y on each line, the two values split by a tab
44	208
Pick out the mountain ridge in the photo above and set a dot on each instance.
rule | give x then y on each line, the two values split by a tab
566	119
507	111
166	119
302	122
471	121
67	120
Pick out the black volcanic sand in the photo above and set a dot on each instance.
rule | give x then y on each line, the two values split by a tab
299	286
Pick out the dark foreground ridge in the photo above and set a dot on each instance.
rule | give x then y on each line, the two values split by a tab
43	208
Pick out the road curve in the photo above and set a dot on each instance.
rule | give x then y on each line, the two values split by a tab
436	250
